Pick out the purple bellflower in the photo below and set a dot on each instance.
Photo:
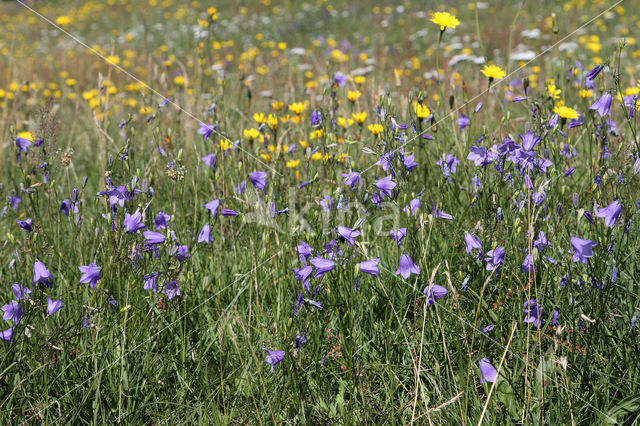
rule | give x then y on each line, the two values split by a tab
406	267
610	213
582	249
53	306
12	311
370	266
40	273
273	358
602	105
434	292
487	371
90	274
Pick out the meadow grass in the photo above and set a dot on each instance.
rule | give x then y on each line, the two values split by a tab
340	260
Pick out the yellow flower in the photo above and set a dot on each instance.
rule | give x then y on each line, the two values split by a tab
179	80
353	95
565	112
225	144
493	71
292	164
585	93
554	92
376	129
343	122
251	133
359	79
297	107
422	111
445	20
63	20
70	82
146	110
272	121
113	60
259	117
277	105
213	13
266	157
359	117
89	94
316	134
316	156
26	135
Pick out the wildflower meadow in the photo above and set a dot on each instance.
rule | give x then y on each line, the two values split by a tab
319	212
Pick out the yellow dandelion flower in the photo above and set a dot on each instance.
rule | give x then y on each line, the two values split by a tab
259	118
26	135
70	82
316	134
316	156
292	164
272	121
421	110
359	117
359	79
213	13
304	144
445	20
553	91
266	157
493	71
277	105
297	107
143	110
179	80
63	20
585	93
251	133
112	60
565	112
376	129
353	95
225	144
343	122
